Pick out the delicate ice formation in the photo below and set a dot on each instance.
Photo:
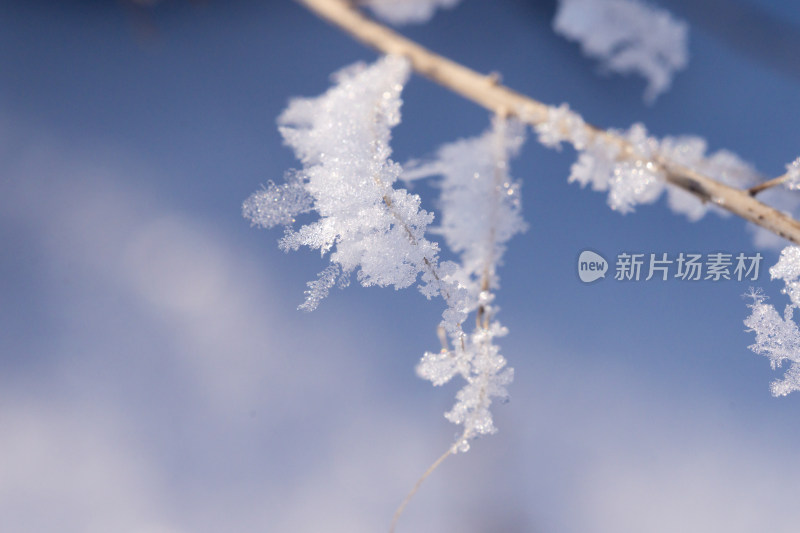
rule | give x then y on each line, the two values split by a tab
563	125
479	362
636	181
778	337
407	11
369	227
627	36
480	206
634	178
342	139
793	174
629	181
276	205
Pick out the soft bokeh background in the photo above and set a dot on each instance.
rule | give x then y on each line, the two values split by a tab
156	378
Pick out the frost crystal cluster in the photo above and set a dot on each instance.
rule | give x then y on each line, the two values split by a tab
364	223
633	178
479	203
407	11
627	36
369	227
480	206
793	174
777	336
628	181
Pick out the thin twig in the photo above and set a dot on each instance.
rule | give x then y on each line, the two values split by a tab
417	485
768	184
488	92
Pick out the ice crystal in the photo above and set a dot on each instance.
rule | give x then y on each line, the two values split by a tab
777	336
633	177
793	174
407	11
562	125
595	164
627	36
478	361
629	181
342	139
319	288
480	205
636	181
278	204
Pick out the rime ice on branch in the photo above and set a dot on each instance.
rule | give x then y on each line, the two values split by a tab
627	36
407	11
633	178
722	165
342	139
480	206
777	336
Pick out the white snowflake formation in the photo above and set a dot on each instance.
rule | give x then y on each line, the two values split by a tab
368	226
777	336
365	224
793	175
480	206
636	179
627	36
407	11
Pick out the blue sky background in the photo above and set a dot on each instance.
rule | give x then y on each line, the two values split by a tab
156	378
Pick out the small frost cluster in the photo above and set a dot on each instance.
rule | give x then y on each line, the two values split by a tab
637	180
479	362
627	36
793	174
368	226
342	139
480	206
777	336
407	11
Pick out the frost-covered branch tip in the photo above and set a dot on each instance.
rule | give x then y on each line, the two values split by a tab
481	211
480	206
636	177
364	223
791	179
793	174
